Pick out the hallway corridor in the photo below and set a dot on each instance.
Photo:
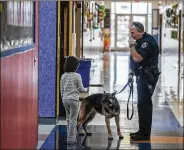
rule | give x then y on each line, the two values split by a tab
37	37
109	73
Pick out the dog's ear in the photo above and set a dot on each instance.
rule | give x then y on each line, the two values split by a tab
104	95
113	94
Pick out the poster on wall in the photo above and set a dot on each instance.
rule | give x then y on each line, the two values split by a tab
10	12
15	11
31	24
172	16
25	13
22	13
107	21
28	13
107	18
28	9
18	13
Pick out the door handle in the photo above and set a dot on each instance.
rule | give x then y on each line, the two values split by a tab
34	61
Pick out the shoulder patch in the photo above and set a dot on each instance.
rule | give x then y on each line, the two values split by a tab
144	45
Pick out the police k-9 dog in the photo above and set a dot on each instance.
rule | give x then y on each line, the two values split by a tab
103	103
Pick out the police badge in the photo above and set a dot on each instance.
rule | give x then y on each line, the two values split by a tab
144	45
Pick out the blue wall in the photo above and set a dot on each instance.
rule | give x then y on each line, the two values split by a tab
47	58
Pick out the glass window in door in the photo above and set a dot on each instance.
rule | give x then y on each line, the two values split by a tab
140	8
141	19
122	33
112	30
123	7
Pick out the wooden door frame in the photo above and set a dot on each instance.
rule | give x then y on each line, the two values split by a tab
160	34
62	49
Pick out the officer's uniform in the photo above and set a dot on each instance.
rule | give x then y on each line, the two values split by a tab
148	48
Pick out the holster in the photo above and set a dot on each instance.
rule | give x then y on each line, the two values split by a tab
151	76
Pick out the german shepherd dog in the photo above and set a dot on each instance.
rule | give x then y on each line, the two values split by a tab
103	103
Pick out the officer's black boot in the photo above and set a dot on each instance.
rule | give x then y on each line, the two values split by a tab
134	133
145	121
144	111
140	137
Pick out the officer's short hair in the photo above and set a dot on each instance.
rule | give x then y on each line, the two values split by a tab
138	26
71	64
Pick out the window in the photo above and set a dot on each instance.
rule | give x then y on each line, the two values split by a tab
139	8
112	29
16	24
123	8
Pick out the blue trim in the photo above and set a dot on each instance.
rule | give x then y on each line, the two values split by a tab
16	50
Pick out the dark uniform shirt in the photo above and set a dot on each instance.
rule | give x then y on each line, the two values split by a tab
148	48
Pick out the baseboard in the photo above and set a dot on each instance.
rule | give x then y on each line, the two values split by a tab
114	50
58	118
96	85
47	121
61	118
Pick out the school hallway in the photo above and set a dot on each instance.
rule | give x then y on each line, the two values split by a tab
109	72
37	37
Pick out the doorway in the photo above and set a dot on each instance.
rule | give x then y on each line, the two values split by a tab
122	34
62	48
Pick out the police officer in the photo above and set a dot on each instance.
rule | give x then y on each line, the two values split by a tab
144	53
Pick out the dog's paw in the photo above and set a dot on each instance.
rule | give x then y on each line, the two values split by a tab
110	138
89	134
121	137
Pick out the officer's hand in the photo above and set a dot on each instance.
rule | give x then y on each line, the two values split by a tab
130	78
131	41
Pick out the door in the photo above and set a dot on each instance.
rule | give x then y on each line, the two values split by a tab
62	47
58	57
122	31
142	19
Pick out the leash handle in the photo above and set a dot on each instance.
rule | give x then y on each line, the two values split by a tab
131	93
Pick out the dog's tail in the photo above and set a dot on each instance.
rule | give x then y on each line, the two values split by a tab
80	108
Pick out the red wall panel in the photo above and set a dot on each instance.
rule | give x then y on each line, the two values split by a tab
19	98
18	102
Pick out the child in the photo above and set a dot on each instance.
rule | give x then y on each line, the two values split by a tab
70	86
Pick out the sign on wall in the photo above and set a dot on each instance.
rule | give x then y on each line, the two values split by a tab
107	18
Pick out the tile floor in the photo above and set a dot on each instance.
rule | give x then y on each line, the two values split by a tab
109	72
